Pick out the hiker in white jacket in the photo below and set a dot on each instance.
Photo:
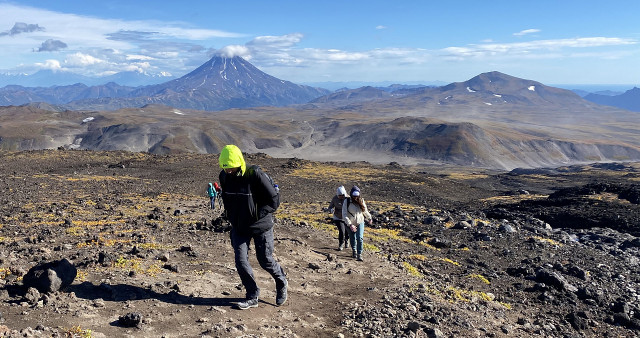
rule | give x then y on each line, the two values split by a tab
354	213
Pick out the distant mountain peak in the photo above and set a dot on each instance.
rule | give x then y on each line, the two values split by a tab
221	70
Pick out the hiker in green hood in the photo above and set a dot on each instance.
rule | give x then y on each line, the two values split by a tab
250	199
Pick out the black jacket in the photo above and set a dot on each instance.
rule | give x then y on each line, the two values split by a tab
249	200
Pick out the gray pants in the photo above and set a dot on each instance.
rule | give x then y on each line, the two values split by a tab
264	252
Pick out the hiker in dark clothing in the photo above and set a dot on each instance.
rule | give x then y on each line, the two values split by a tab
250	199
335	206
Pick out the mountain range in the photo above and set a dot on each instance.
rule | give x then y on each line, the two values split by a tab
628	100
50	78
221	83
492	120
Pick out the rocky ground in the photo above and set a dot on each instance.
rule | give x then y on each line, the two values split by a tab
452	252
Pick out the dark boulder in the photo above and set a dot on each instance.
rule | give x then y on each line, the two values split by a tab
132	319
51	276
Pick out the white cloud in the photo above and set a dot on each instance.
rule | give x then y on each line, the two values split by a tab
100	46
138	57
526	31
50	64
102	43
81	60
234	50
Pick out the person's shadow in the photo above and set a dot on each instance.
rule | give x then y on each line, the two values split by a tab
124	292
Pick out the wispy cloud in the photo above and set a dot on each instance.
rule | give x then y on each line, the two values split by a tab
283	51
381	27
518	48
275	42
526	31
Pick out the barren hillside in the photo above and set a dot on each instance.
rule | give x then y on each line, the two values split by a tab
452	252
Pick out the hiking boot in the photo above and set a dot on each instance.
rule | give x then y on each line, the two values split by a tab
281	294
341	247
247	304
353	254
359	258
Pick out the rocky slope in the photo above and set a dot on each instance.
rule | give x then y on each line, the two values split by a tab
452	252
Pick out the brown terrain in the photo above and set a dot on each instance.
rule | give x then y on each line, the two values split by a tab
452	252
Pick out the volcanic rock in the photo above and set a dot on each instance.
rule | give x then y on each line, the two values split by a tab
50	277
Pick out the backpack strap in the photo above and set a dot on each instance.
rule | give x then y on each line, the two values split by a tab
349	203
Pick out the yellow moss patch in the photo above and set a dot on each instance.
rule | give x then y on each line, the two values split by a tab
370	247
138	266
609	197
75	231
466	176
386	206
456	294
412	270
418	257
153	270
111	242
384	235
77	331
514	198
450	261
506	305
98	223
546	240
4	272
425	244
122	263
153	246
480	277
174	197
82	275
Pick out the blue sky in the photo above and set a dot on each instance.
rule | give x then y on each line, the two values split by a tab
554	42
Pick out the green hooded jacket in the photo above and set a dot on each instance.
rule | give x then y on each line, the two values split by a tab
231	157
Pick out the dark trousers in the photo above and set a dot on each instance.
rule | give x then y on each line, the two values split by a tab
264	252
343	235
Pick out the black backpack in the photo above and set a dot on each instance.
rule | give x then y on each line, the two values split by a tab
253	172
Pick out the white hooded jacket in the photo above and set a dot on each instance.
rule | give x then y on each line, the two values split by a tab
352	214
